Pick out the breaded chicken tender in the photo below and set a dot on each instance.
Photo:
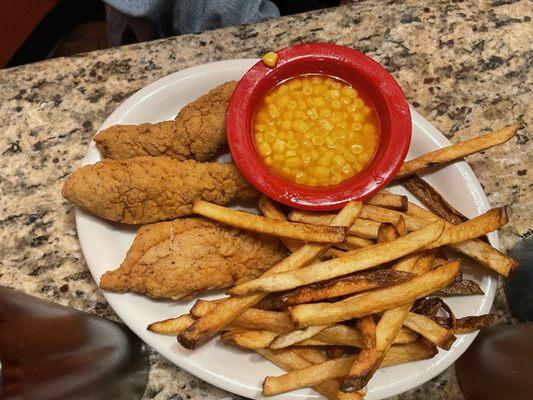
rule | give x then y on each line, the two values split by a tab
142	190
197	132
186	256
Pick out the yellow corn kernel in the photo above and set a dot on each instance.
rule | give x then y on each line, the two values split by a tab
307	143
295	84
357	126
336	85
349	92
366	110
262	117
259	127
312	113
264	149
306	158
307	90
326	124
298	114
336	179
336	104
348	156
363	157
357	167
270	59
293	144
347	169
282	101
321	172
293	162
330	143
340	149
346	101
286	171
273	111
339	160
300	177
324	112
287	115
369	129
290	135
318	141
334	94
279	146
356	149
270	136
299	125
292	105
285	125
321	90
337	117
358	117
290	153
317	80
302	106
343	125
319	102
269	98
315	155
335	170
312	181
269	161
278	158
358	102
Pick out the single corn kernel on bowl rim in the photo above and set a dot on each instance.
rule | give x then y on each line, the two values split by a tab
358	70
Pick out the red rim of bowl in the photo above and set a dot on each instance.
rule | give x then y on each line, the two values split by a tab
377	84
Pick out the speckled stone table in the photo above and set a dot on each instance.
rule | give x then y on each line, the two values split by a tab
464	65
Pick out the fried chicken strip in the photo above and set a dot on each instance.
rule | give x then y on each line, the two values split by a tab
197	132
185	256
142	190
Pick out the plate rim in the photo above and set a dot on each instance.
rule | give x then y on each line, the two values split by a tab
482	204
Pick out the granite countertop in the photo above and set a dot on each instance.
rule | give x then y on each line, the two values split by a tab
464	65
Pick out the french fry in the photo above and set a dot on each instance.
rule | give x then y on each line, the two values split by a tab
172	326
429	329
468	324
296	336
270	210
249	339
356	242
424	192
342	335
471	229
268	226
387	233
339	367
230	308
462	288
487	255
252	318
389	325
375	301
389	200
474	248
367	327
364	228
290	359
357	282
369	212
353	261
456	151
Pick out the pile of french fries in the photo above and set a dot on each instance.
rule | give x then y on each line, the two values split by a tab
360	290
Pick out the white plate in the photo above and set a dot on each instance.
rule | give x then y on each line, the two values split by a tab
104	246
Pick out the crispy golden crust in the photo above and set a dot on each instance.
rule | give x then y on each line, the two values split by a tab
177	258
198	132
150	189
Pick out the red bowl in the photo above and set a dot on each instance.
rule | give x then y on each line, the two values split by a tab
377	86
